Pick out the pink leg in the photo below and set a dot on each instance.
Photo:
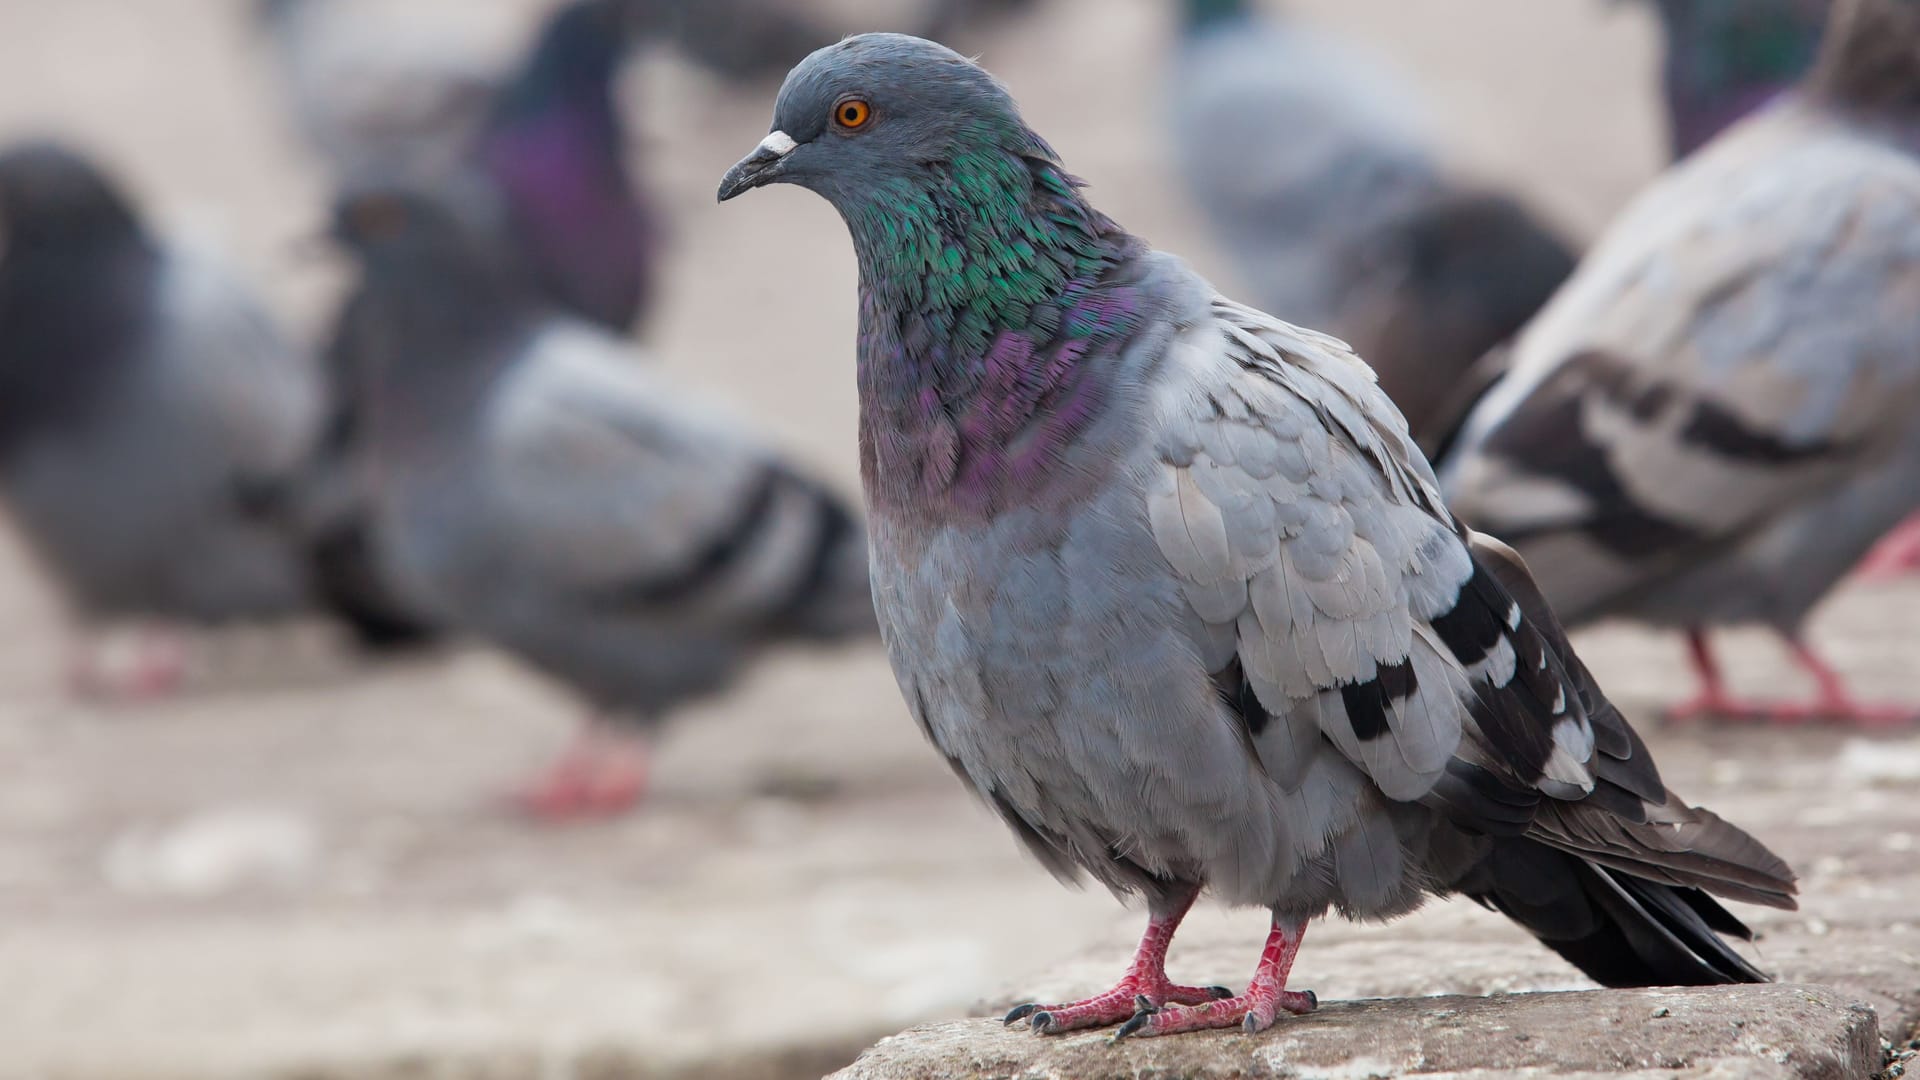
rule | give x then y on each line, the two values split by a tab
602	774
1896	555
1712	701
1834	703
1266	998
1145	980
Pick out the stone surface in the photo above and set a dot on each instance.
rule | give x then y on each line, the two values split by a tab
1745	1031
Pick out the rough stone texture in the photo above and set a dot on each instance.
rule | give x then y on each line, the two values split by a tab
1785	1031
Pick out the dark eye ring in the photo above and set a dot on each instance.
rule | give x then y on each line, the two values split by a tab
852	114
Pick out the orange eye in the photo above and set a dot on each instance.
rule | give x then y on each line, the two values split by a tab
852	114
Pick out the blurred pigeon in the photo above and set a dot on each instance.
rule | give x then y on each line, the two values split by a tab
541	154
1317	170
1727	58
1721	412
376	94
736	39
1171	587
538	486
150	414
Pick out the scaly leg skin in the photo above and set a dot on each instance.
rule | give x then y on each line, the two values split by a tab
1896	555
1266	998
602	774
1145	980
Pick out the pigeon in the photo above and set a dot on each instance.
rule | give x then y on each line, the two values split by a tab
1727	58
538	486
1316	169
1167	582
740	40
1718	416
150	416
539	154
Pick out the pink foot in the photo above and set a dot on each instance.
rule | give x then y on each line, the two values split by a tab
155	670
1836	709
1117	1004
1146	979
1266	998
1723	708
1253	1011
602	775
1896	555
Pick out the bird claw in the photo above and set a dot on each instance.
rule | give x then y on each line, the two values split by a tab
1019	1013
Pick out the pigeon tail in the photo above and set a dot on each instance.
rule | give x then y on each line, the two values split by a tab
1620	930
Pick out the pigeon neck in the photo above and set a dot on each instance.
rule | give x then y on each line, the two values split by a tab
1201	15
563	97
989	296
1871	61
1725	59
556	149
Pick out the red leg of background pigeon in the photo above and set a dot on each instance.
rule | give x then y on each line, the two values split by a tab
1267	996
1145	978
1834	703
1712	702
155	668
1897	554
602	774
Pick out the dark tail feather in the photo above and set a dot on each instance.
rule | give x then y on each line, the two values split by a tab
1618	929
351	588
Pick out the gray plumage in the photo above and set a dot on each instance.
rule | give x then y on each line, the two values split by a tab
1716	419
1319	172
379	94
1170	586
537	485
151	414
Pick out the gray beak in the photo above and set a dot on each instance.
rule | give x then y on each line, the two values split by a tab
761	167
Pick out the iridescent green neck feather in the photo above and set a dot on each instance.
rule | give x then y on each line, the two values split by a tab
989	290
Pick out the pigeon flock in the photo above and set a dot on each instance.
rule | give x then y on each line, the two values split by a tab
1260	596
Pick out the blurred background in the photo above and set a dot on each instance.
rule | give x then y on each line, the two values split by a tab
301	863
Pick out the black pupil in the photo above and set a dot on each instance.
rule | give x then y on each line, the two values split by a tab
850	114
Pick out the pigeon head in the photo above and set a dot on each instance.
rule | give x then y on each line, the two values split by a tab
54	200
1871	59
963	220
388	228
869	121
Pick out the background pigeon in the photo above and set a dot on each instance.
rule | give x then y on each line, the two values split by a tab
1170	586
1726	58
536	485
1717	416
150	415
541	154
1317	170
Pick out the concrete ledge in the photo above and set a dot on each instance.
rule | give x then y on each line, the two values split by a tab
1744	1031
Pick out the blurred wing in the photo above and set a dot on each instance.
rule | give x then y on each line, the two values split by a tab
1742	341
1337	601
616	486
250	395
